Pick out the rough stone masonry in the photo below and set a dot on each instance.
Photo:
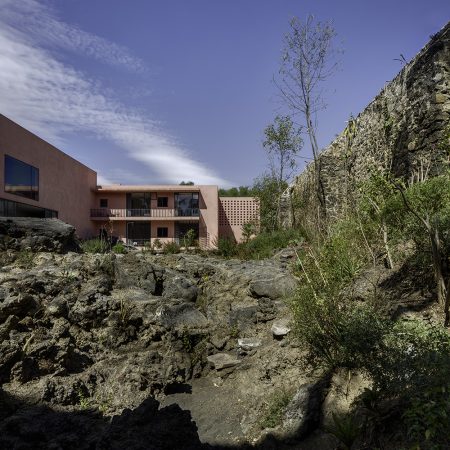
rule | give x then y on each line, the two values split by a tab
400	131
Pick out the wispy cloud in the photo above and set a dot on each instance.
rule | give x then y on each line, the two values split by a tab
43	26
52	98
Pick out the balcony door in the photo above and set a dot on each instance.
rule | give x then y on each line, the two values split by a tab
186	204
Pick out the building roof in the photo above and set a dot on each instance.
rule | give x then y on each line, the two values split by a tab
152	188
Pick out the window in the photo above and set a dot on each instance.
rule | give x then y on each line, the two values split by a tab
103	203
138	200
15	209
21	178
163	202
187	204
162	232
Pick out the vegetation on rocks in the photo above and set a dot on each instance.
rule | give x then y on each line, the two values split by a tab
394	226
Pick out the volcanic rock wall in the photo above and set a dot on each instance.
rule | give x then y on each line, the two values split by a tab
401	131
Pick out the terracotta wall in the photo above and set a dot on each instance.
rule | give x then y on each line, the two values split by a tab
65	185
234	212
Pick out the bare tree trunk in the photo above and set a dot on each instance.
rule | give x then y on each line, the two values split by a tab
437	265
447	306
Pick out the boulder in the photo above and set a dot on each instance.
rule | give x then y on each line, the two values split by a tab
221	361
273	287
179	287
37	235
185	315
20	305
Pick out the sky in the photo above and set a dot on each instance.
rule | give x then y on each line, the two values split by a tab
161	91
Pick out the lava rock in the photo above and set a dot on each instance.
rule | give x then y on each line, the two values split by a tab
37	235
221	361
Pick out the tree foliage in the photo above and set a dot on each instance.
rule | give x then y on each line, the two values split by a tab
308	60
241	191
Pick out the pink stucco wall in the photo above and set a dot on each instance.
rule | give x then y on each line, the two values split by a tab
208	205
65	185
70	188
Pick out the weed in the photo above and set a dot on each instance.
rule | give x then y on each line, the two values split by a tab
96	245
170	248
83	401
25	259
119	248
345	428
276	407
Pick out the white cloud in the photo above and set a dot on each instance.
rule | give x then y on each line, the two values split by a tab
42	25
51	98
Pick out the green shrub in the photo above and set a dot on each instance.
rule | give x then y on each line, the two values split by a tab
119	248
265	244
189	239
276	407
226	247
408	361
95	245
170	248
345	428
157	244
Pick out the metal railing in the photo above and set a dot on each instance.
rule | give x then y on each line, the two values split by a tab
149	242
161	213
202	242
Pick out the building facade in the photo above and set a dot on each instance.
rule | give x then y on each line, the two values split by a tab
38	180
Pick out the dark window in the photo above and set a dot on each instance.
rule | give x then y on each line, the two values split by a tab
186	204
163	202
181	229
162	232
103	203
21	178
138	200
9	208
138	232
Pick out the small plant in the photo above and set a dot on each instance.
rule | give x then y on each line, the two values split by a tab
119	248
95	245
68	275
171	248
248	230
125	309
345	428
25	259
234	332
157	245
189	239
276	407
83	400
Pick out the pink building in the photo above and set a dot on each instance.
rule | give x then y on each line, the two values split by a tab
38	180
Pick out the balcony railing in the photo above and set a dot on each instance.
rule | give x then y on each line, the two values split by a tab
162	213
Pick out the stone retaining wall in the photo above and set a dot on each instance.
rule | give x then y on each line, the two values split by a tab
400	131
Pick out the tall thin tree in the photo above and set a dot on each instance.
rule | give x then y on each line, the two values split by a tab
308	60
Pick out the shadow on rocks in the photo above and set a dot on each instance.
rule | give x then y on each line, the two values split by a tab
35	427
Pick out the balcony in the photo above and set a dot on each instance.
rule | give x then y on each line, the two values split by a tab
144	214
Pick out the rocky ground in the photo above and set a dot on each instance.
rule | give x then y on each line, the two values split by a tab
143	351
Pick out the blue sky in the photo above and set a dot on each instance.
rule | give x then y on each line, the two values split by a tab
160	91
